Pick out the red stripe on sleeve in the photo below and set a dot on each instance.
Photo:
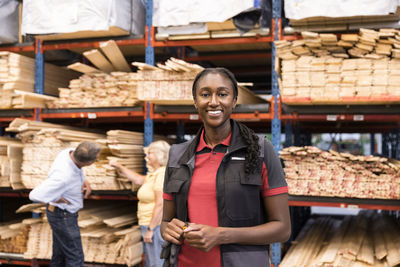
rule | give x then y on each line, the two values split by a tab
167	196
275	191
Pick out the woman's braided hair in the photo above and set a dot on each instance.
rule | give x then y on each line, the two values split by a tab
251	139
252	163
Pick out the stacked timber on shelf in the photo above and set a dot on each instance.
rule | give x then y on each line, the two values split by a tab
43	141
212	30
10	162
98	89
368	239
171	83
109	83
355	69
127	149
313	172
167	83
110	235
17	79
14	236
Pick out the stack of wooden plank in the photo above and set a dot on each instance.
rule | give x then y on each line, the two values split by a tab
108	83
313	172
371	44
224	29
110	235
10	162
14	236
127	149
41	143
356	69
368	239
17	78
326	79
171	83
99	89
167	83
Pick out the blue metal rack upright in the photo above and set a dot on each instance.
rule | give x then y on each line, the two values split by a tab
149	57
276	122
39	72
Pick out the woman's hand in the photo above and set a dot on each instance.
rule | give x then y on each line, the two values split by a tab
148	236
174	231
114	163
201	236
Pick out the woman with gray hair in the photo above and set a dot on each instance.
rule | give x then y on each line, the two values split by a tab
150	204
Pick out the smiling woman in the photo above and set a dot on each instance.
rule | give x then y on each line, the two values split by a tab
225	194
215	96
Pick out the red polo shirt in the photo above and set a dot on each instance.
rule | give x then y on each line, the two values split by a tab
202	200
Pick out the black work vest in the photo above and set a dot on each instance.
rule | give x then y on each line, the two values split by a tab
239	200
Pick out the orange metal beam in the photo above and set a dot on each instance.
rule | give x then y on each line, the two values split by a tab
222	41
18	48
343	117
91	44
233	56
343	205
92	115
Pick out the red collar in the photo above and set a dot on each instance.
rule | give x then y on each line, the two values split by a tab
202	144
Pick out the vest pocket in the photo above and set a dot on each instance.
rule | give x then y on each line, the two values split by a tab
175	179
242	199
173	186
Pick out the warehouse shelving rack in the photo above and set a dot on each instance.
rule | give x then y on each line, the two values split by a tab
150	113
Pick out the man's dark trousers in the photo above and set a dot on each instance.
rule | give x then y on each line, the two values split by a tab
67	243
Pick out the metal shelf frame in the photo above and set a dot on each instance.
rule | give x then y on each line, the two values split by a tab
352	203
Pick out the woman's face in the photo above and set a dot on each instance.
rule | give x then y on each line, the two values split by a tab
151	159
214	99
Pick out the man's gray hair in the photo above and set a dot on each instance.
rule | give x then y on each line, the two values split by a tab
87	152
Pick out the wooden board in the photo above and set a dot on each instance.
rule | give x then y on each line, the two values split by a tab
111	50
83	68
30	100
99	60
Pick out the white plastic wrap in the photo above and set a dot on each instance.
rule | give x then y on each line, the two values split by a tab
300	9
8	21
178	12
60	16
138	17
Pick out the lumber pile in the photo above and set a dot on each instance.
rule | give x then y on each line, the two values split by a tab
313	172
13	237
368	239
110	235
43	141
17	78
171	83
99	89
127	149
357	68
108	83
210	30
10	162
168	83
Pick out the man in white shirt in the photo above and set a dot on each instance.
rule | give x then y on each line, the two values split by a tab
63	193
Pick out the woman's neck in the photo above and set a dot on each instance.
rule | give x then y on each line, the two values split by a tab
214	136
